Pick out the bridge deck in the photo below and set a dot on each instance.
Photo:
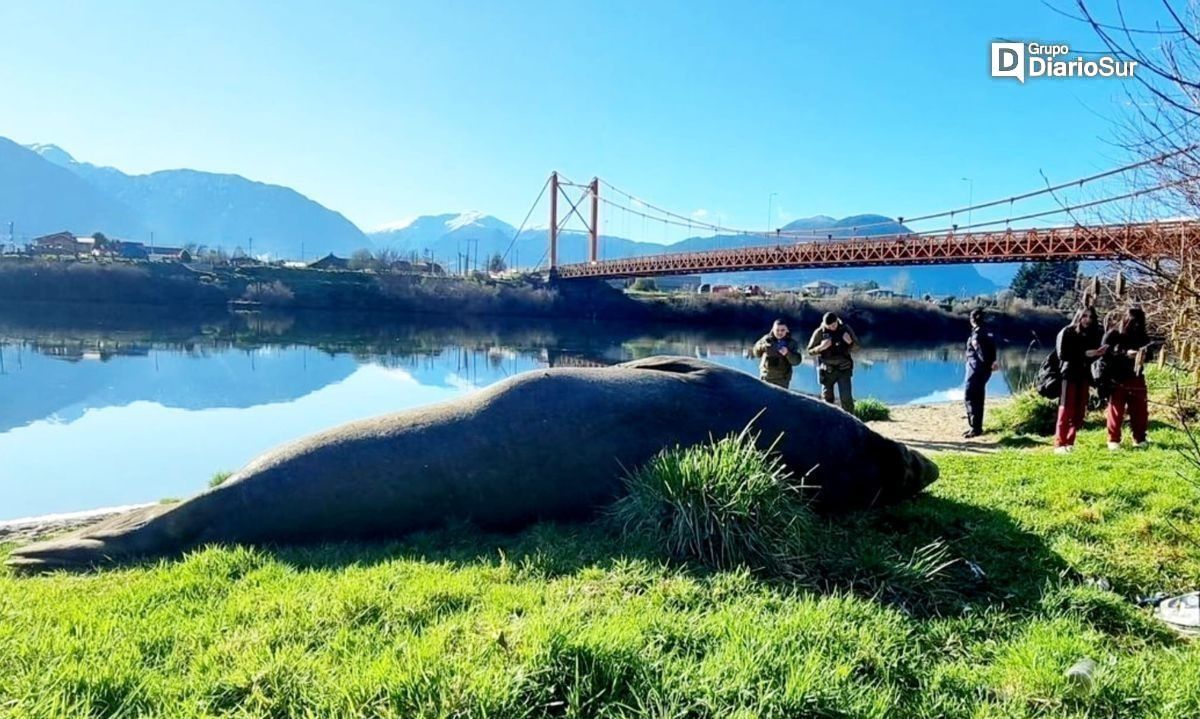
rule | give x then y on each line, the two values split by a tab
1098	242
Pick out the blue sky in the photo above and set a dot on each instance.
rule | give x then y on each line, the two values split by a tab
383	110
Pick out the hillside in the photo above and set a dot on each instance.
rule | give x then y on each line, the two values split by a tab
188	206
39	198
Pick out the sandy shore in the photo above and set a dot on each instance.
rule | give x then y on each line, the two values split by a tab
936	427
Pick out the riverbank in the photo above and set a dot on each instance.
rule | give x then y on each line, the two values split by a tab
173	287
1047	557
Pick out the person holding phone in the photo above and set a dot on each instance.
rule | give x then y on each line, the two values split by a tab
1078	345
779	353
1128	344
832	343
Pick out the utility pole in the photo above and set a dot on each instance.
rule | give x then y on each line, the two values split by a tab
770	205
251	252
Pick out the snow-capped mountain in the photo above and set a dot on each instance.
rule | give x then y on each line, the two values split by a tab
429	231
39	198
218	210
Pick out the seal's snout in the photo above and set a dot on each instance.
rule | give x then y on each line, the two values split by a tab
918	472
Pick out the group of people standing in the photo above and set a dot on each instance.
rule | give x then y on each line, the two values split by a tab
1112	361
831	344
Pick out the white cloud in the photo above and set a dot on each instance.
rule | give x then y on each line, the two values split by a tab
699	214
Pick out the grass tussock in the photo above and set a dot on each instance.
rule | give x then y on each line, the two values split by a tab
871	410
568	621
219	478
1027	413
725	504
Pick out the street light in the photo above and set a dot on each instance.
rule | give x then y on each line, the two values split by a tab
970	198
770	204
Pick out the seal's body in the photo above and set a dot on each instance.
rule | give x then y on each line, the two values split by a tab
546	444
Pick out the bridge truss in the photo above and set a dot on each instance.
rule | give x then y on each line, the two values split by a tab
1077	242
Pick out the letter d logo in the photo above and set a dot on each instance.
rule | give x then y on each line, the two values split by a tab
1008	60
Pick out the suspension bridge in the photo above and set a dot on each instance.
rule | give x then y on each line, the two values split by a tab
864	246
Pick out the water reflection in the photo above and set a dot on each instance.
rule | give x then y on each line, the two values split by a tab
119	412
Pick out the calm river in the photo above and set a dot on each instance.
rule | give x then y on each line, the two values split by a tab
110	414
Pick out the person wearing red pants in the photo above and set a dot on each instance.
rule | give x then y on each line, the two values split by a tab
1077	345
1127	345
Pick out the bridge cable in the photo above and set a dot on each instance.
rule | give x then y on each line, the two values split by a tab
899	220
951	230
504	257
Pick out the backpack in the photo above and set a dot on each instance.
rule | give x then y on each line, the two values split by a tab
1049	377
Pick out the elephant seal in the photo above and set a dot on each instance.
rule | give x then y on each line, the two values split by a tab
545	444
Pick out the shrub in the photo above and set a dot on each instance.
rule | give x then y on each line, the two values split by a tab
273	294
871	410
727	503
644	284
1027	413
219	478
1173	393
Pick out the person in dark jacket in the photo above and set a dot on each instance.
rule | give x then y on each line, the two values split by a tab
1078	345
981	362
779	353
1128	345
832	343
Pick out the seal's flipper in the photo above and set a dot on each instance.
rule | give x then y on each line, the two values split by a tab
123	536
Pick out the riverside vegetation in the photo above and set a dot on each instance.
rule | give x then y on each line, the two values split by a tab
712	591
174	285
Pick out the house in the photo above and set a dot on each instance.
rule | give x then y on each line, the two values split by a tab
330	262
158	253
819	288
128	250
59	243
879	293
428	268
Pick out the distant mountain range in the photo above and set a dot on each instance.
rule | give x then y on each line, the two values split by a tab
43	189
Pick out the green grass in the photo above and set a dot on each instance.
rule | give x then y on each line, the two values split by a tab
871	410
573	621
219	478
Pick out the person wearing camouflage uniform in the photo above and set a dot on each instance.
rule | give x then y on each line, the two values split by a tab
779	353
832	343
